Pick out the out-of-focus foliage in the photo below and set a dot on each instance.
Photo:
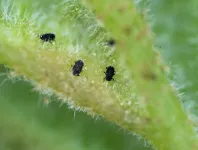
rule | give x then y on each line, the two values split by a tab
28	123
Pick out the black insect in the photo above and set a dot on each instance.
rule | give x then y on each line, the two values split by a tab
47	37
111	42
77	68
110	72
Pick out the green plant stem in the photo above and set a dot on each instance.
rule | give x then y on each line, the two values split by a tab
166	120
48	67
154	111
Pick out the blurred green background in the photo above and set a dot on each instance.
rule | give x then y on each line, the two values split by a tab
26	123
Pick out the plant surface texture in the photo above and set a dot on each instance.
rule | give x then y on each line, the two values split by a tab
98	74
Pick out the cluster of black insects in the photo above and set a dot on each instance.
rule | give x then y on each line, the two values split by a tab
78	66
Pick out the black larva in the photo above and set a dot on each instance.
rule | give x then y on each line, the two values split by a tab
47	37
77	68
110	72
111	42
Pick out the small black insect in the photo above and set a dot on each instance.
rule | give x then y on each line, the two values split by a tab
110	72
111	42
47	37
77	68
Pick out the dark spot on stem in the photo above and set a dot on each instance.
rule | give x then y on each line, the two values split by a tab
149	75
47	37
111	42
110	72
77	68
127	30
